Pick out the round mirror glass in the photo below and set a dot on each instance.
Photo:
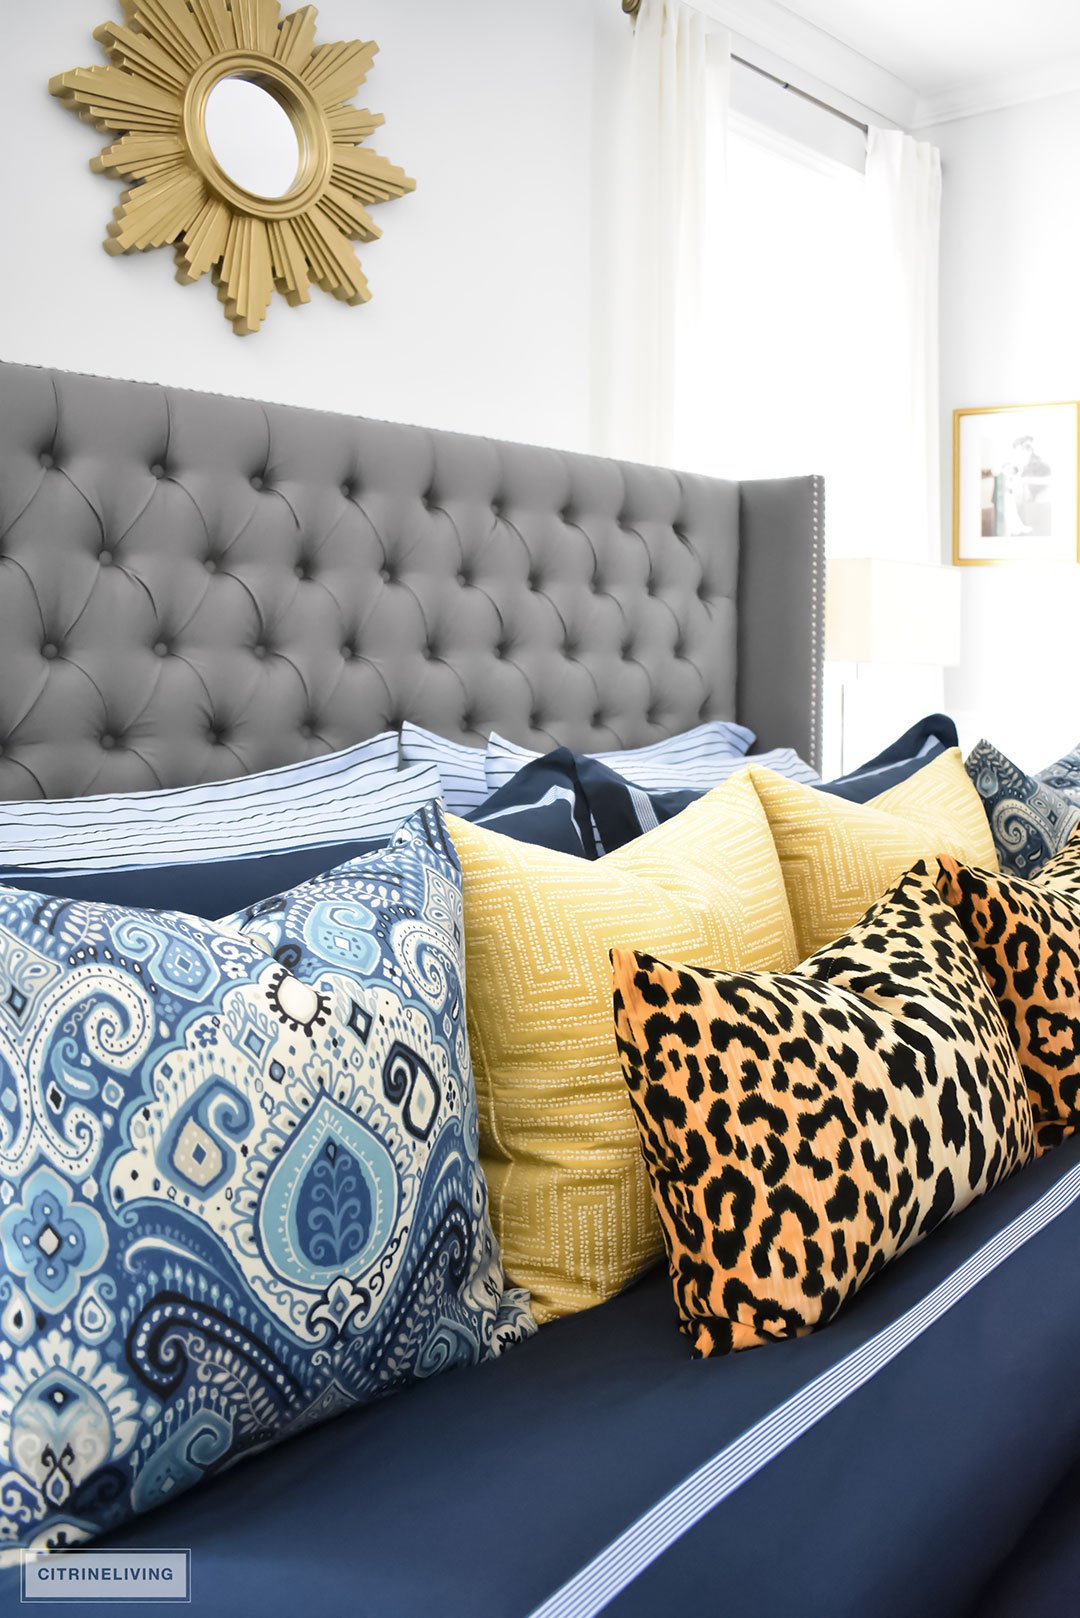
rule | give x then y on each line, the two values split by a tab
252	137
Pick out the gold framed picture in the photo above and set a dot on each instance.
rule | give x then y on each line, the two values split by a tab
1015	484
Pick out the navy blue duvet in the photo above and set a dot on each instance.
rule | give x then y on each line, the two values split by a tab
888	1466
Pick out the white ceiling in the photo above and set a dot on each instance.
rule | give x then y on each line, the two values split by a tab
939	46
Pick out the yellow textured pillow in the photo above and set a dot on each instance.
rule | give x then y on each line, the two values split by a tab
570	1198
839	858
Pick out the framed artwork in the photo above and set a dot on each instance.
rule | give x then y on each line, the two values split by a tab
1015	484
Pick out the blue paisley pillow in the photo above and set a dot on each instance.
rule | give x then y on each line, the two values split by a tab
1030	820
239	1186
1064	774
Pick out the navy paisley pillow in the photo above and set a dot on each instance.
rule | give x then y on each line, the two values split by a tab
1031	821
239	1185
1064	774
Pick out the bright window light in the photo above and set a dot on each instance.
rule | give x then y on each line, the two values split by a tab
788	383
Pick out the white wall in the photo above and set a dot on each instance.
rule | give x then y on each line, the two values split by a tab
1010	334
484	282
480	318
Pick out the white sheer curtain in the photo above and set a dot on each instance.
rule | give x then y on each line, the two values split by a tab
782	319
663	176
903	194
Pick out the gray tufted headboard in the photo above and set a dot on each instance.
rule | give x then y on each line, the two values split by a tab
194	586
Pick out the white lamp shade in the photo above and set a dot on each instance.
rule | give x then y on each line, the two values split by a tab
881	611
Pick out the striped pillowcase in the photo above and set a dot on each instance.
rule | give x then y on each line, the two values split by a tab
697	760
357	795
460	767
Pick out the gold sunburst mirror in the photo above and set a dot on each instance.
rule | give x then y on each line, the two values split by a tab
244	149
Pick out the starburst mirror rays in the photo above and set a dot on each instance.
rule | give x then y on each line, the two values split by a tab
166	60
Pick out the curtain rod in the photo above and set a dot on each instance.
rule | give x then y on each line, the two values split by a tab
632	7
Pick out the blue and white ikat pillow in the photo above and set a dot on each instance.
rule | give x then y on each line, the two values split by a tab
239	1183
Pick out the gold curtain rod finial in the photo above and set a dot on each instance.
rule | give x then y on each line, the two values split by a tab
631	7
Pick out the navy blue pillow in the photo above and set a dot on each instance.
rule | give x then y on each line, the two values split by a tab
620	811
545	803
918	746
215	888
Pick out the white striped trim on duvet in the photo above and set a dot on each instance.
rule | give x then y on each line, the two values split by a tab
355	795
655	770
644	1541
460	767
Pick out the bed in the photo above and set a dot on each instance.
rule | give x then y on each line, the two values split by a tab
196	587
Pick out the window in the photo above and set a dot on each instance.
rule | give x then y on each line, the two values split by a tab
785	383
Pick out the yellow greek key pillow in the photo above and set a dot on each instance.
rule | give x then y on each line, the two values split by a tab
570	1198
839	858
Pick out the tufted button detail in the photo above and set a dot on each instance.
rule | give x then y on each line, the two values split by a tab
307	731
348	652
347	491
108	742
386	575
157	470
302	570
105	558
258	650
46	460
161	648
464	579
257	482
534	720
597	720
566	514
502	649
50	651
210	565
534	582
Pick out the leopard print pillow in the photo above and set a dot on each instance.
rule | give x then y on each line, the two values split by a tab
1063	872
1026	935
801	1129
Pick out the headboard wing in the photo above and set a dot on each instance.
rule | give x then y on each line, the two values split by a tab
194	586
